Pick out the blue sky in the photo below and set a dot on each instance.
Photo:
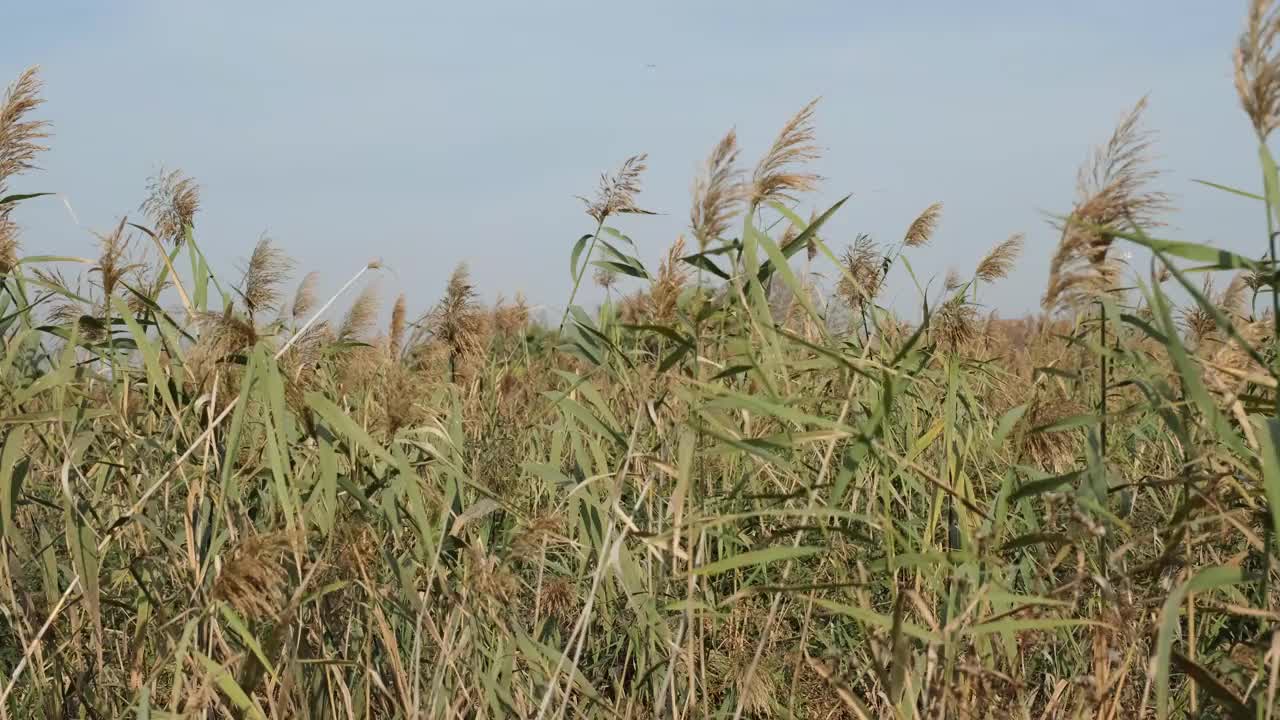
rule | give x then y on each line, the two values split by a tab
432	133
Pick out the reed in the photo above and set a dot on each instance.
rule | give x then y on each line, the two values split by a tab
745	486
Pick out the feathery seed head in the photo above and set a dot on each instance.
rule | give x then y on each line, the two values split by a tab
1113	192
617	193
225	333
1197	321
863	273
113	264
559	597
1255	279
486	576
1050	450
776	176
254	580
539	531
921	229
19	137
632	308
149	286
268	267
456	320
717	193
173	199
1231	360
19	145
604	277
395	334
509	319
304	298
1232	300
360	316
398	404
1257	67
997	264
673	276
952	280
757	687
954	324
8	244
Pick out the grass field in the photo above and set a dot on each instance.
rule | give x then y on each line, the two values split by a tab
740	491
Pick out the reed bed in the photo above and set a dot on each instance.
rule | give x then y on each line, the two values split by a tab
741	487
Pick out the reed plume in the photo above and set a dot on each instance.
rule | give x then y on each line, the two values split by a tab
456	321
300	365
1112	190
113	263
19	137
672	277
360	317
306	352
395	333
149	287
1197	321
559	598
254	579
791	235
173	199
617	192
304	298
399	402
1231	303
633	307
954	324
776	176
225	333
267	269
605	278
952	280
511	318
1228	369
19	146
1257	67
997	263
717	193
1051	451
9	245
487	577
863	267
921	229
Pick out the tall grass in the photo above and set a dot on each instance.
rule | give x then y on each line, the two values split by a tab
741	490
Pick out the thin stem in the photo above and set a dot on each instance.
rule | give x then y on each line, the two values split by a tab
577	281
1275	297
1271	268
1102	384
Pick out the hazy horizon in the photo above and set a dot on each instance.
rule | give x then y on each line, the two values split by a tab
428	136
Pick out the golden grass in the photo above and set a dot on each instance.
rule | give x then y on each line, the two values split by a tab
760	494
778	175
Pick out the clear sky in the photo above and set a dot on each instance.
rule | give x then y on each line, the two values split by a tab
428	133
